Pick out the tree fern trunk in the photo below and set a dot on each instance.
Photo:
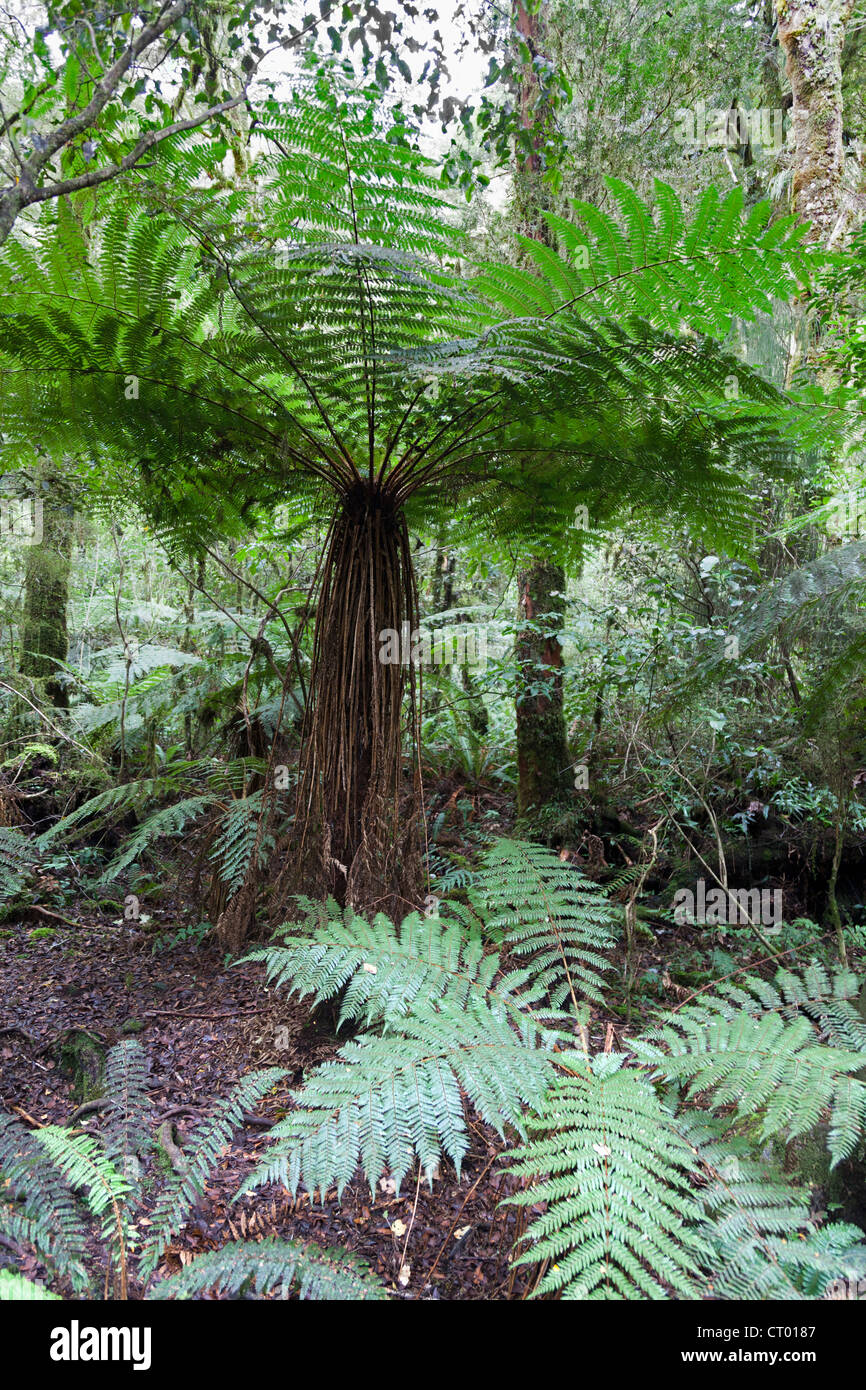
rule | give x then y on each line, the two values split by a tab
355	804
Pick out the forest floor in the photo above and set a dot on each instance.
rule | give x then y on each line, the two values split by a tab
203	1027
204	1023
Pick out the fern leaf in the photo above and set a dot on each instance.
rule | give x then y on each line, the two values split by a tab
208	1141
273	1265
621	1217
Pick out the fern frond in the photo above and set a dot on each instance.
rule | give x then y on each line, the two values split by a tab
19	857
546	910
621	1218
759	1224
389	973
240	840
126	1132
38	1204
275	1265
15	1288
207	1142
389	1100
171	820
758	1046
85	1165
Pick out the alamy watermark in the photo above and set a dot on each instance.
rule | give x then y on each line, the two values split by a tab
727	906
729	127
77	1343
21	519
444	646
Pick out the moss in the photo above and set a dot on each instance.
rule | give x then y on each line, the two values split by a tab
841	1190
42	933
81	1056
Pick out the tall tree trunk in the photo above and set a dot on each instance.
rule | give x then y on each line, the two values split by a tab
812	34
542	752
44	637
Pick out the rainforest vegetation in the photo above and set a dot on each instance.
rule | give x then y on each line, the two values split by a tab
432	650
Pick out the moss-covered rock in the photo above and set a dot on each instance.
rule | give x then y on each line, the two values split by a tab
81	1056
841	1191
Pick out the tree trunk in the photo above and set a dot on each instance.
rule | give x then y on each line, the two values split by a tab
44	638
812	34
542	754
354	802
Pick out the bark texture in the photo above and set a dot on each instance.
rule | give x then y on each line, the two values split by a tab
812	34
542	755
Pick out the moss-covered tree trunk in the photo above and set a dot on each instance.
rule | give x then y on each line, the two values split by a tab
812	34
542	754
44	637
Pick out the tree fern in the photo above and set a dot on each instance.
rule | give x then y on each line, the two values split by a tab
835	578
324	332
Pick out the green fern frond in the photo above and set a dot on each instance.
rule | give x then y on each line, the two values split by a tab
389	1100
758	1046
85	1165
171	820
126	1132
759	1224
727	262
274	1265
387	973
15	1288
38	1204
544	909
622	1218
19	857
207	1142
241	840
